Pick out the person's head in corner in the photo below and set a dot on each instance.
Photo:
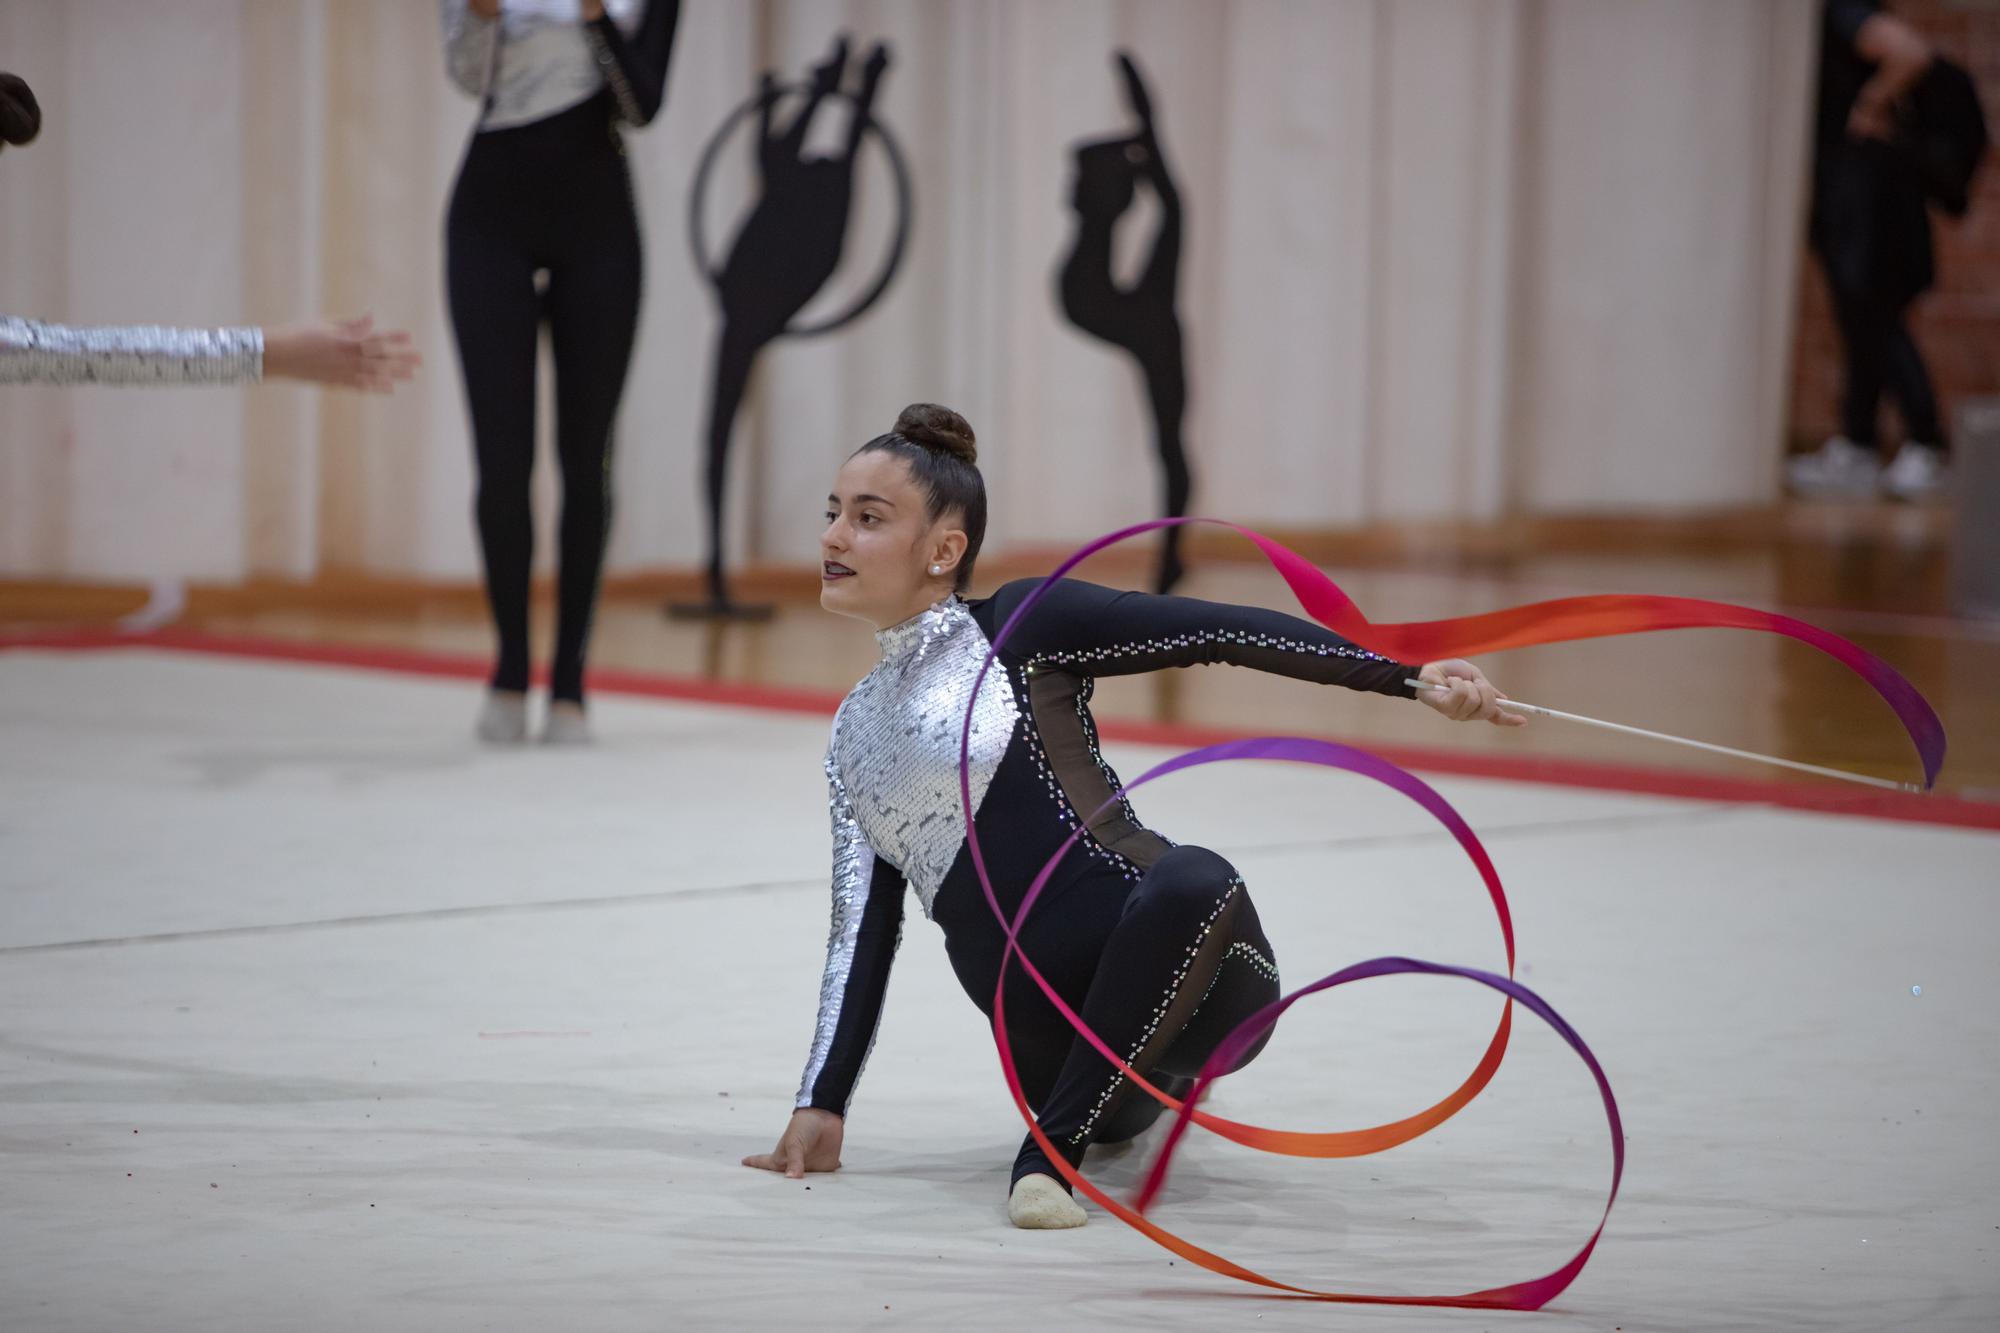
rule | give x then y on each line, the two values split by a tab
20	115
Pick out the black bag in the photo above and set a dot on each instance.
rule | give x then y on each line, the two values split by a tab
1947	136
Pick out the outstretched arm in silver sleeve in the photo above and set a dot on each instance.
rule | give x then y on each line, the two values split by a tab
32	352
861	944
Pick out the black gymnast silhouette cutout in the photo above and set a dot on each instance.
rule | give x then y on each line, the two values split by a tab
1141	319
787	248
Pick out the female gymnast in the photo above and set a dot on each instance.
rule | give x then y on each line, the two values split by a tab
1157	945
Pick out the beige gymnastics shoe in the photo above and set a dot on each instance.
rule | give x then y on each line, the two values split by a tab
566	724
503	719
1040	1203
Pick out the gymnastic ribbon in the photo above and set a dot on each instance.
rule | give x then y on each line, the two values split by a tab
1540	623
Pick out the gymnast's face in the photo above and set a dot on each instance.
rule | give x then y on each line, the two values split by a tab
879	546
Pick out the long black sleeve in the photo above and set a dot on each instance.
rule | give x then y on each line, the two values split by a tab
1104	632
636	68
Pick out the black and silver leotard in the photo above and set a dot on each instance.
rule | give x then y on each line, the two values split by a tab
1118	924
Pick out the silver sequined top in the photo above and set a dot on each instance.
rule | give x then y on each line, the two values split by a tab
896	742
892	778
893	764
536	59
35	353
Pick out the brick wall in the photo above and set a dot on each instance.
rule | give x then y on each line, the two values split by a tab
1958	322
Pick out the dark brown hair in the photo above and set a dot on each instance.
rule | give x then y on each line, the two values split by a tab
938	446
20	117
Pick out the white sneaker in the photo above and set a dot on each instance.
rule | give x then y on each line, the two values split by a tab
566	725
503	719
1838	467
1917	473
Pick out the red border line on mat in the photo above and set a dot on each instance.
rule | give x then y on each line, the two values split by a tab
1953	811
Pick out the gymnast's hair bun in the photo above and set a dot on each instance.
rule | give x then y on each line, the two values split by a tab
20	117
938	428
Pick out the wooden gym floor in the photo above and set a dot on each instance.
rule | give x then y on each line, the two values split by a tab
1875	573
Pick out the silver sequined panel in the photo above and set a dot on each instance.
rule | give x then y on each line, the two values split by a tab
896	741
37	353
853	871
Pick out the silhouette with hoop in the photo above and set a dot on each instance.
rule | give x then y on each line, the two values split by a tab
788	247
1141	318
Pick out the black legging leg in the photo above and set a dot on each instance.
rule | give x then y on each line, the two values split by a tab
1162	966
1867	327
496	315
593	307
1910	383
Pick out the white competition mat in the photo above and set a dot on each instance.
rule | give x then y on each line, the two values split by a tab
319	1015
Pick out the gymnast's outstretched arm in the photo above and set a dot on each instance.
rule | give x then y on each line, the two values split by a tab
1098	631
347	354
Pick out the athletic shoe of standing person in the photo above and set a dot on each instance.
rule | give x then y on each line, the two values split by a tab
1918	473
1838	467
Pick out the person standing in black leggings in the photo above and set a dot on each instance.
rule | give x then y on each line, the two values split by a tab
1871	231
542	227
1157	946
